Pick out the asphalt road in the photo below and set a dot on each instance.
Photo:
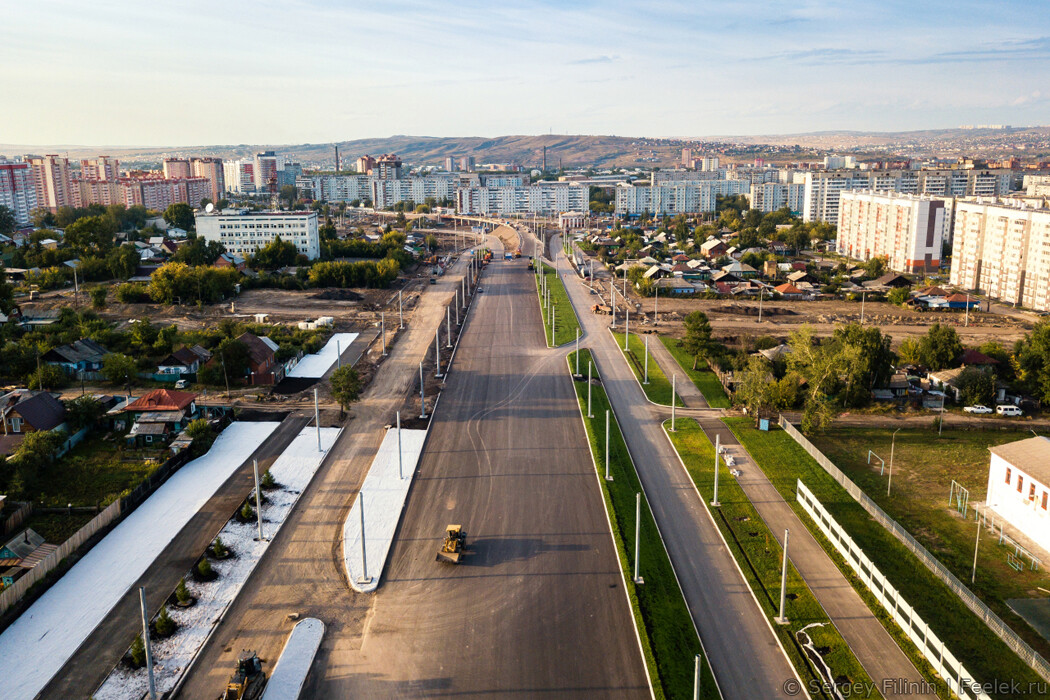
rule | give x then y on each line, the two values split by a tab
302	570
744	654
91	663
537	608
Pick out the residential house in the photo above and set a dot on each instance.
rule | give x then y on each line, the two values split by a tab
84	355
890	280
973	358
231	260
712	249
801	276
262	359
676	285
21	553
32	411
945	380
741	270
789	291
185	360
159	414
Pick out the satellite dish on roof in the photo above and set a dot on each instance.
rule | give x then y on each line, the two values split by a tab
209	208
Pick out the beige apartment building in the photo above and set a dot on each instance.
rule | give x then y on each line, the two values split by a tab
54	185
1002	249
908	230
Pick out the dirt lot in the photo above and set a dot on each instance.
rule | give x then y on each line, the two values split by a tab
732	318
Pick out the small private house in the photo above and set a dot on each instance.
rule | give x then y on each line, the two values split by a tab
1019	487
789	291
185	360
21	553
159	414
231	260
84	355
32	411
262	359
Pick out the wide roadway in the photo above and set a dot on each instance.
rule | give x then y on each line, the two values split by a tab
537	607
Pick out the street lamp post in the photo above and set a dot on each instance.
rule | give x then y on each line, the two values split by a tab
893	444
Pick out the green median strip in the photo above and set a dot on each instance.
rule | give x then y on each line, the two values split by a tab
705	379
758	552
565	322
969	640
658	389
668	636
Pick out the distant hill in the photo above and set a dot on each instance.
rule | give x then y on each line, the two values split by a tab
602	151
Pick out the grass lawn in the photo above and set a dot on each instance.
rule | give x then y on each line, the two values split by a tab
704	378
923	468
659	387
56	528
977	647
95	472
669	639
759	554
565	322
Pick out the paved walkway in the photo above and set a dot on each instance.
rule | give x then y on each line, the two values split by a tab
687	390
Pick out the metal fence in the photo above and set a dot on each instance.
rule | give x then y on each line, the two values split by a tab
947	666
13	593
1029	655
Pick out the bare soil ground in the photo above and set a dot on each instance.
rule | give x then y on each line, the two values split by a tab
733	318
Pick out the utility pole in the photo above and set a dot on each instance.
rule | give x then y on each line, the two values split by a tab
893	444
437	353
577	351
317	420
862	295
976	544
400	471
422	398
782	618
626	325
146	643
258	505
761	290
338	355
400	314
940	425
608	476
646	360
365	578
638	538
674	394
590	366
448	326
718	448
967	324
696	678
656	309
382	329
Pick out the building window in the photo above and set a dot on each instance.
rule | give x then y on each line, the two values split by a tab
1020	482
1031	491
1044	500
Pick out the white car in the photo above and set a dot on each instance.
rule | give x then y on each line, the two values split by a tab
977	408
1008	410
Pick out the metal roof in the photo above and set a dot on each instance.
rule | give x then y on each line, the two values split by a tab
1032	456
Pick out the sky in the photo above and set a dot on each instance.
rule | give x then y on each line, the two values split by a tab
147	73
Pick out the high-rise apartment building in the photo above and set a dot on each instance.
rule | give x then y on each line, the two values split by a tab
52	180
17	190
546	199
212	169
239	175
1001	248
675	197
266	166
365	164
177	167
771	196
450	164
909	230
466	164
100	168
687	157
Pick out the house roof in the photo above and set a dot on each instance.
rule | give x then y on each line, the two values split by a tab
83	350
1031	455
932	292
739	268
973	357
41	411
24	543
183	356
893	279
162	400
787	288
259	350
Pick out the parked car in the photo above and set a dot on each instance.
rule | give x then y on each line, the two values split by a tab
1008	410
977	408
181	384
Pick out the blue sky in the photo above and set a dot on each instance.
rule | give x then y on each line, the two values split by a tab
293	71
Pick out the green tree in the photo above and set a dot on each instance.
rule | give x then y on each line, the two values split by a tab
98	298
48	377
182	593
346	386
697	341
876	267
137	653
275	254
872	366
8	222
35	453
84	412
164	625
898	296
123	261
179	215
199	251
92	235
753	387
119	369
42	217
940	347
1033	361
909	352
204	570
975	386
800	240
289	193
431	242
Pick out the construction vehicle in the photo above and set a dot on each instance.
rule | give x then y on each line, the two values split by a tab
517	253
601	309
248	680
452	548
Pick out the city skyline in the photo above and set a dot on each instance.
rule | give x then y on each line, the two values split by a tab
317	71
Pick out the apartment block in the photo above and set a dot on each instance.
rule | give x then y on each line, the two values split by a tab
101	168
17	190
213	170
1002	248
909	230
679	197
239	175
546	199
177	167
771	196
243	232
266	166
53	181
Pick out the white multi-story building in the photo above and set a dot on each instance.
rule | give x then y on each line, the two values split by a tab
1037	185
909	230
335	188
243	232
839	162
239	175
824	187
681	197
17	190
771	196
1002	248
546	199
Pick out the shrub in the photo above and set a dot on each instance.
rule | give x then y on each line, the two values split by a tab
182	594
98	297
219	549
247	512
204	570
132	293
267	481
137	653
164	625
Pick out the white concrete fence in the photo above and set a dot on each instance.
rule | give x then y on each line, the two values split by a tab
995	623
949	668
